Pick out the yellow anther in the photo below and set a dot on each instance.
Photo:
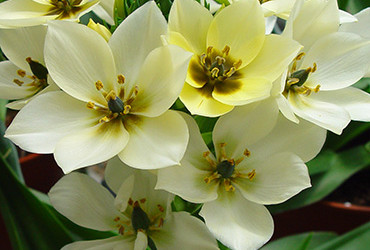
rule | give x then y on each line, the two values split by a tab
292	81
252	174
220	60
28	59
212	177
126	109
230	72
160	208
300	56
203	59
247	153
239	161
18	82
314	67
121	230
206	155
111	96
142	200
228	185
104	119
116	219
21	73
223	151
90	105
121	79
209	50
226	50
317	88
237	64
99	85
136	91
214	72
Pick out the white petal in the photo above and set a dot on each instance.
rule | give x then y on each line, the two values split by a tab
311	20
280	8
18	44
342	59
278	178
77	57
191	20
91	145
285	108
135	38
244	34
20	13
304	139
237	222
84	201
116	172
354	100
155	142
104	10
160	84
270	24
141	241
124	193
361	27
115	243
320	112
187	181
37	128
244	126
345	17
182	229
9	89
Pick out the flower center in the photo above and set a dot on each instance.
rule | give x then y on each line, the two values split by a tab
139	219
224	170
116	107
215	71
297	78
39	77
64	8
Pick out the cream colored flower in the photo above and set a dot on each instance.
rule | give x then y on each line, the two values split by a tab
234	63
257	163
115	97
140	215
24	75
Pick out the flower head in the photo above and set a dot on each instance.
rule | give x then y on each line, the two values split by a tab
234	63
115	98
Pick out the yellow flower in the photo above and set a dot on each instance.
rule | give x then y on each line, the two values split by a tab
234	62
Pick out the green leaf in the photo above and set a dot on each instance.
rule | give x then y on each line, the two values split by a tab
328	172
205	124
363	84
10	154
303	241
179	204
358	239
3	109
355	6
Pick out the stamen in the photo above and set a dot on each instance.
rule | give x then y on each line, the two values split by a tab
203	59
247	153
21	73
230	72
116	219
99	85
314	67
121	230
142	200
108	119
209	159
126	109
121	79
317	88
18	82
212	177
239	161
251	174
226	50
220	60
209	50
228	186
223	151
214	72
237	64
160	208
300	56
130	202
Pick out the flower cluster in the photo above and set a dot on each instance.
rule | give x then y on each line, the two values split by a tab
89	96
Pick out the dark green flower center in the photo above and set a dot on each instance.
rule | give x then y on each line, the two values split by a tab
116	105
226	168
139	219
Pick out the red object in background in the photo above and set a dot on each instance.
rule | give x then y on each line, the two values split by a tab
40	172
322	216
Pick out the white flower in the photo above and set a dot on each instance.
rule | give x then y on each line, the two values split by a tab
317	85
21	13
234	63
256	164
24	76
140	215
115	98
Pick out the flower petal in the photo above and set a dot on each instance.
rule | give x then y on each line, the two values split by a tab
90	146
116	172
135	38
278	178
311	20
182	229
37	128
185	18
104	10
237	222
160	84
280	8
12	42
84	201
77	57
9	89
285	108
321	113
141	241
361	27
274	57
304	139
115	243
243	33
155	142
199	104
342	59
354	100
20	13
244	126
